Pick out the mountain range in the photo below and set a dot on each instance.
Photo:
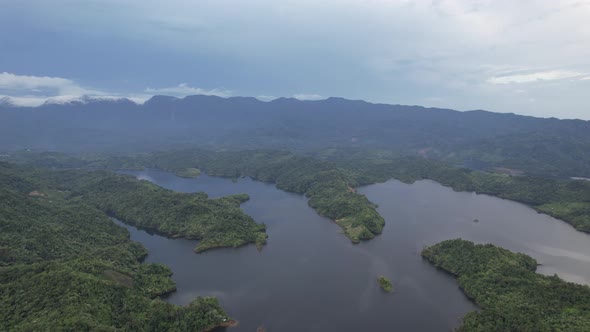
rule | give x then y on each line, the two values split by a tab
480	139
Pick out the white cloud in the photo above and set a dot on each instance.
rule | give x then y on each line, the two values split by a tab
29	101
534	77
266	98
29	86
11	81
183	89
64	99
304	96
33	101
26	90
23	90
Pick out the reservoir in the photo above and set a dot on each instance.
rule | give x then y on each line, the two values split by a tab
309	277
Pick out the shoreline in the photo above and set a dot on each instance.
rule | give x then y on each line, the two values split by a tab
229	323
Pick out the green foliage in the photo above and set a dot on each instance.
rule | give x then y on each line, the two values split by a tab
190	172
215	222
329	176
54	226
66	266
504	284
87	294
329	188
512	296
385	284
565	199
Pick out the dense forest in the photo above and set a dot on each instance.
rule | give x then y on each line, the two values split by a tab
505	285
329	188
65	265
512	296
214	222
328	177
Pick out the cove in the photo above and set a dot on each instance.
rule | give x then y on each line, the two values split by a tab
310	277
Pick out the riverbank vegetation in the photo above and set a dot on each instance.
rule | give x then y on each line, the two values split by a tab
329	188
511	295
65	265
215	222
385	284
328	178
565	199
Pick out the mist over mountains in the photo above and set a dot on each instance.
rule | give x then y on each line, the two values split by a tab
535	145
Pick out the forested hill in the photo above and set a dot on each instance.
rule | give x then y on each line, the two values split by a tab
512	297
484	139
215	222
66	266
328	179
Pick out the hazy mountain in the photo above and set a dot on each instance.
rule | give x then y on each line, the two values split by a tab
506	140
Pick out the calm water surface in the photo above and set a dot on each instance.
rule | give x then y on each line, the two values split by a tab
309	277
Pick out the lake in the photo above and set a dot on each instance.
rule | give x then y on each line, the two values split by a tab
311	277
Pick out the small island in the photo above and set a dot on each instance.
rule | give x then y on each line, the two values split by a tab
189	173
385	284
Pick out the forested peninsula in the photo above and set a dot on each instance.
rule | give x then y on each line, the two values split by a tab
511	295
330	189
65	265
214	222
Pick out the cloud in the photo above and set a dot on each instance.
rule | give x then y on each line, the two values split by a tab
27	90
535	77
265	97
33	101
28	101
44	86
10	82
304	96
183	89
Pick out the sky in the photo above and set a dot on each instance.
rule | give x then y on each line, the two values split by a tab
526	57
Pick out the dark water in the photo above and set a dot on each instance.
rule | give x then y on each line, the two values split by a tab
309	277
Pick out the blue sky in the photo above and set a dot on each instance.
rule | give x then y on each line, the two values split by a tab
526	57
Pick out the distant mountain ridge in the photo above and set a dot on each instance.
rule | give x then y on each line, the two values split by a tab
537	145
